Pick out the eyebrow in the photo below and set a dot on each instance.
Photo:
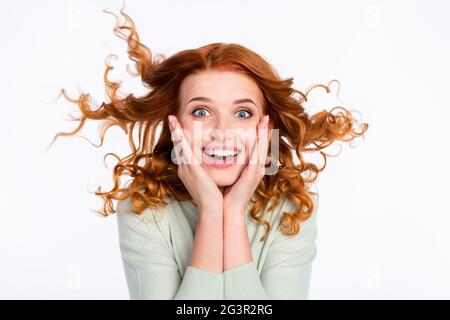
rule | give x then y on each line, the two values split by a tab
209	100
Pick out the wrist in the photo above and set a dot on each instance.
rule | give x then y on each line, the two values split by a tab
236	208
235	216
210	213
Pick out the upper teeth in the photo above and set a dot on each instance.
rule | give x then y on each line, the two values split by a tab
221	153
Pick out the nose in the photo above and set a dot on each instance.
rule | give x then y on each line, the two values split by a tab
218	131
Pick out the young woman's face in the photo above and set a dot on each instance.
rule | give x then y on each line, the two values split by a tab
220	110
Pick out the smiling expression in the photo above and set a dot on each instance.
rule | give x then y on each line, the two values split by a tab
219	112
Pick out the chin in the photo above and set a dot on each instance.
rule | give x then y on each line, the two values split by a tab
225	177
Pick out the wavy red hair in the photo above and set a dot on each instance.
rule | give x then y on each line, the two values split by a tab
154	176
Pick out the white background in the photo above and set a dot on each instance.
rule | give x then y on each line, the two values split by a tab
384	211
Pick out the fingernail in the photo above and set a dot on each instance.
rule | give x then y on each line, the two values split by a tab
172	121
266	121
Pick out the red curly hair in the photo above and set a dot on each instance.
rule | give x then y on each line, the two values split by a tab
154	175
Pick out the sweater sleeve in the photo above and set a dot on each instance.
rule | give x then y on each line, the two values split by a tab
286	271
150	268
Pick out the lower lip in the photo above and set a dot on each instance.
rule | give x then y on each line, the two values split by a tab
219	163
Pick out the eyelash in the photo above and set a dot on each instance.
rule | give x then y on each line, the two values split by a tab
251	114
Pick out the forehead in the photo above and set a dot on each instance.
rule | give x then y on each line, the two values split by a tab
220	86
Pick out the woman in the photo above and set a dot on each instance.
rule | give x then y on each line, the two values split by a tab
202	217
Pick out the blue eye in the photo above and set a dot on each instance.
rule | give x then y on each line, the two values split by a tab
197	110
202	112
250	114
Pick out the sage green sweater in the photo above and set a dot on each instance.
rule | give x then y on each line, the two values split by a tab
156	248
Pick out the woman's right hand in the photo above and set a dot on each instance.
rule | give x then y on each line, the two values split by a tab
195	178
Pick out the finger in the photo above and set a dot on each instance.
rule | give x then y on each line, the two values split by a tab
182	143
253	160
263	144
259	145
267	136
175	137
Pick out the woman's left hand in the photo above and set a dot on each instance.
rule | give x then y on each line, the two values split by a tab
237	196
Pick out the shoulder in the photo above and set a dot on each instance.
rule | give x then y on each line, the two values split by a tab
151	223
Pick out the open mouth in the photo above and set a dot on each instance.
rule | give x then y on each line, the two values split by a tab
221	157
